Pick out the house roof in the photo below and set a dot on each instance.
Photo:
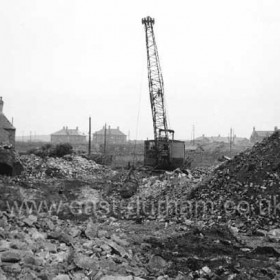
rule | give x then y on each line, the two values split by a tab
110	131
219	139
5	123
264	133
212	139
202	138
68	132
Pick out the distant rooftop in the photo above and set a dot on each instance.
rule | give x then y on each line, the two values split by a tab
65	131
109	130
264	133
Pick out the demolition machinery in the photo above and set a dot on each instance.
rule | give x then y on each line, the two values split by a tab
163	152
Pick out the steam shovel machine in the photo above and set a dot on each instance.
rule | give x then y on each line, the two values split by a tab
163	152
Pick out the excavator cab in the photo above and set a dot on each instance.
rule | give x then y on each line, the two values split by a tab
164	153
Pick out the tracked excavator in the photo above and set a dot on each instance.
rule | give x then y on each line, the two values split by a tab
163	152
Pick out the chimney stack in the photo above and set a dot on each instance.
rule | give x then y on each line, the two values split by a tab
275	128
1	105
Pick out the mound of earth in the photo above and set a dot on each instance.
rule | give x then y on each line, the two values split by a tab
246	188
70	167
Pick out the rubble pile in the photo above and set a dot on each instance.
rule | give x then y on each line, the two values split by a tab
154	194
45	247
70	166
70	218
213	253
246	189
173	184
101	232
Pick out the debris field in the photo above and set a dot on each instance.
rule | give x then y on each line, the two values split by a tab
70	218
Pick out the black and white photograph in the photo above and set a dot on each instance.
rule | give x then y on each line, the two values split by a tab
139	140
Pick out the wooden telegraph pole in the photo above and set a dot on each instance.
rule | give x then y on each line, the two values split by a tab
105	140
89	137
230	141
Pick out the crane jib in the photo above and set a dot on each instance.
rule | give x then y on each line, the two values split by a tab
156	85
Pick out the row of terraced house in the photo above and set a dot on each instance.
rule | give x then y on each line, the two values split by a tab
75	136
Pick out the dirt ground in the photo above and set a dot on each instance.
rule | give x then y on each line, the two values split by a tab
70	218
183	250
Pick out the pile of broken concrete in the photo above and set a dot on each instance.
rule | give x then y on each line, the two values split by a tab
45	247
69	166
246	189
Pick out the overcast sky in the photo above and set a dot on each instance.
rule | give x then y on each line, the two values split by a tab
64	60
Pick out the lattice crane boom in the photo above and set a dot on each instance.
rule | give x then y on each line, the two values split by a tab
156	85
